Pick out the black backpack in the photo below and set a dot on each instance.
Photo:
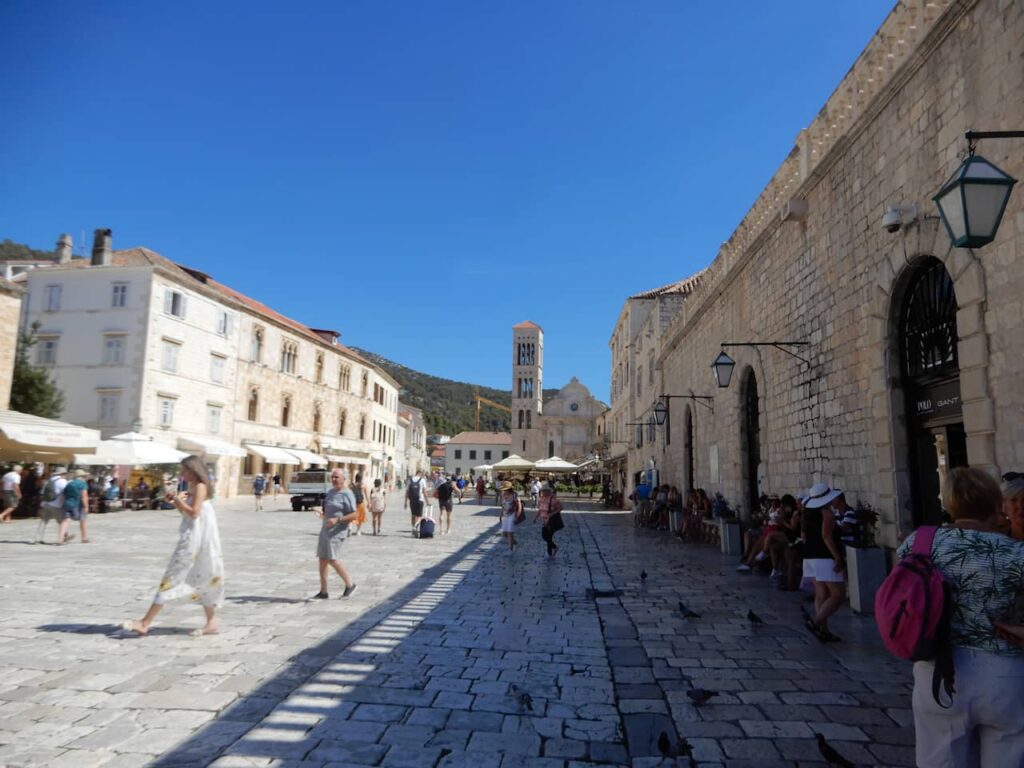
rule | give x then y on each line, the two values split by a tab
413	492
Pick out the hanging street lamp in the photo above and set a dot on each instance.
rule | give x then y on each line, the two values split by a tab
722	368
973	200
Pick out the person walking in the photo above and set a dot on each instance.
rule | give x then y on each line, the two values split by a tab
415	498
12	493
52	504
338	511
277	485
549	510
76	507
196	568
983	725
259	486
511	510
360	491
823	558
378	503
481	489
444	491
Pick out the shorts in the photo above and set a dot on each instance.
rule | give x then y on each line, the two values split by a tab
73	514
416	508
821	570
10	499
445	505
277	486
257	494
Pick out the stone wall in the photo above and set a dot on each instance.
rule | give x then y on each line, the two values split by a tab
10	312
833	278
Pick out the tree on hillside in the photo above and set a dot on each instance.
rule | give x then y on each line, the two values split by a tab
12	251
32	390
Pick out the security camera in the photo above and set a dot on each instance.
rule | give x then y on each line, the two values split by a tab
896	216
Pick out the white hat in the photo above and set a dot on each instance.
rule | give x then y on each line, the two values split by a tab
821	495
60	471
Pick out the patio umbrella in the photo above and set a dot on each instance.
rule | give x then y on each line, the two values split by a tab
514	463
131	448
483	468
555	465
32	438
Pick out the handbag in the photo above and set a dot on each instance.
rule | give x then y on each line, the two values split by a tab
555	523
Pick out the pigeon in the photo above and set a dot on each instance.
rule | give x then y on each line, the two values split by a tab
754	619
643	575
664	745
687	613
684	748
829	753
700	696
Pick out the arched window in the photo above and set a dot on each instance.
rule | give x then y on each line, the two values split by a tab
529	419
316	417
362	427
286	410
257	345
319	367
341	421
366	384
521	419
551	448
254	404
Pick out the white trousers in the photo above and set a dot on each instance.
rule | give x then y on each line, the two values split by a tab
984	726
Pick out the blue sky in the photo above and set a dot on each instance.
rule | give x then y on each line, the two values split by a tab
418	175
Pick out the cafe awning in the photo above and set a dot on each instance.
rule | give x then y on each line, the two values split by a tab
271	454
344	459
307	457
210	446
27	437
130	449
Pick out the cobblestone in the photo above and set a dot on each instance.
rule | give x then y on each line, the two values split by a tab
452	653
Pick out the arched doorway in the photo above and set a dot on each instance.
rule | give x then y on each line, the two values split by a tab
930	377
551	448
690	485
750	440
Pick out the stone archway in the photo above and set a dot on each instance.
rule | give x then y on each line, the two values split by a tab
888	403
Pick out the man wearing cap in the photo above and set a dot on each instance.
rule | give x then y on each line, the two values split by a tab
12	493
75	506
823	558
52	505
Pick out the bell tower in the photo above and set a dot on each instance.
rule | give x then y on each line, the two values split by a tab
527	389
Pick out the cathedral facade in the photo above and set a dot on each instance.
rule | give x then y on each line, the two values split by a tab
568	424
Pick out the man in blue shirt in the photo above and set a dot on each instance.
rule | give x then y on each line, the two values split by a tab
76	506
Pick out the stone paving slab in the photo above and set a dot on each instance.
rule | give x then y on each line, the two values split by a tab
452	652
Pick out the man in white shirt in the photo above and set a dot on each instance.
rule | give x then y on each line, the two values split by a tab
535	491
52	506
12	493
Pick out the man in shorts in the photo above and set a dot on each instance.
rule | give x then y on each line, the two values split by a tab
444	490
259	485
415	499
76	507
12	493
277	486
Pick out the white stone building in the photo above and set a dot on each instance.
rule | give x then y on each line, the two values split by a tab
137	342
472	449
10	316
412	442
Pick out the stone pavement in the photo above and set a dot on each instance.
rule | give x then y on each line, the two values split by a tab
450	653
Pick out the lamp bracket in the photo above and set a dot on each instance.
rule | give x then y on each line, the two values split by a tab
706	400
974	136
780	345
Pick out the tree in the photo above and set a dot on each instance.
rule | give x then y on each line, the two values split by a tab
32	390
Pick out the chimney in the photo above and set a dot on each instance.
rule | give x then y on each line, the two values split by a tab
101	248
64	248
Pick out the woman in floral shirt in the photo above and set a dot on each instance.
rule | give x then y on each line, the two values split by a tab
984	725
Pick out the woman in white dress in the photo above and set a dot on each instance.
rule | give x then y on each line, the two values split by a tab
196	569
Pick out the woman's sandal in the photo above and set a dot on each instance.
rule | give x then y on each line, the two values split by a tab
130	626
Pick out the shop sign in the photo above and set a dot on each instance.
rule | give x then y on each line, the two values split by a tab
939	401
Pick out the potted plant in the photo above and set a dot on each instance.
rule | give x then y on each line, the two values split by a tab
729	535
865	560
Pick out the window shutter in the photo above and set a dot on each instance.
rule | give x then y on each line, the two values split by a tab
184	306
168	301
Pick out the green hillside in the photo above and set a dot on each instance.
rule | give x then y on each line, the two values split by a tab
448	406
12	251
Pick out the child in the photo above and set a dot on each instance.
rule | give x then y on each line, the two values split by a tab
511	509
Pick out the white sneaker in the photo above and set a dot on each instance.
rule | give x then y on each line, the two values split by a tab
761	556
742	567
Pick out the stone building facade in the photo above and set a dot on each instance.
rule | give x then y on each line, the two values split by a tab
566	425
137	342
912	355
473	449
10	316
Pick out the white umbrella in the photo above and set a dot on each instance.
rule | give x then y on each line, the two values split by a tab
131	448
513	463
555	465
483	468
33	438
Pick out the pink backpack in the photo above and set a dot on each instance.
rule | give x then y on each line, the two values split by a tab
912	610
